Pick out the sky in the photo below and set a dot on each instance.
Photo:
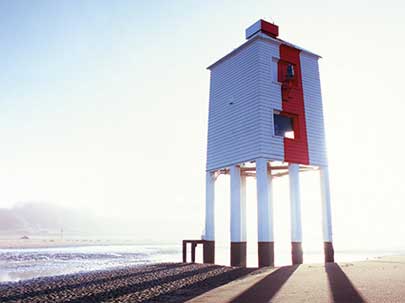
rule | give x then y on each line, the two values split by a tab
104	107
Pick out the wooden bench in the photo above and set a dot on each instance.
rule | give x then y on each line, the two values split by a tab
194	244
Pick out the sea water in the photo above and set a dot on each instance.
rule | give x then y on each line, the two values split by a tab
21	264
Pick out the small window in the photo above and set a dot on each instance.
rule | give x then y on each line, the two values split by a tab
288	74
284	126
274	69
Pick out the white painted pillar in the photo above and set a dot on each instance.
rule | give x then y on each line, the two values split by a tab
265	220
326	214
209	232
238	217
295	199
326	206
296	225
210	207
238	205
243	207
265	229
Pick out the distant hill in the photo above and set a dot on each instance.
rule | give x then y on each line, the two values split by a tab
45	218
10	221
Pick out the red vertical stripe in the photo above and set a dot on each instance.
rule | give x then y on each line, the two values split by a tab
295	150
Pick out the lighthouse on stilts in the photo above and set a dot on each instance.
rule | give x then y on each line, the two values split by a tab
265	121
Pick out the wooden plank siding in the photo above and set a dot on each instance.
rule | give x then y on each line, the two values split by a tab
313	109
272	147
233	109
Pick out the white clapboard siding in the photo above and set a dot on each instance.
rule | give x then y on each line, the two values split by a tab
272	147
243	131
232	128
313	109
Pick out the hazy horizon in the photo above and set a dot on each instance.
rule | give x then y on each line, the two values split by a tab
104	110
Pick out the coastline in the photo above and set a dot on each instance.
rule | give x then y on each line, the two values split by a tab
58	243
379	280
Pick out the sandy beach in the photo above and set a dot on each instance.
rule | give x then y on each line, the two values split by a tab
379	280
173	282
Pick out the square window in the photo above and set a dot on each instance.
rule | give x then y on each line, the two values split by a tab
283	126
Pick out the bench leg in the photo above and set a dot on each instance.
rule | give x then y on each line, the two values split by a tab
193	246
184	252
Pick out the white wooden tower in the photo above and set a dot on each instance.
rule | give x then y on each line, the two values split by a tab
265	120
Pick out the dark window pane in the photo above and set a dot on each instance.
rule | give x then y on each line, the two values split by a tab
283	126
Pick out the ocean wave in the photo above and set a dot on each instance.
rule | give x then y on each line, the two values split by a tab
18	264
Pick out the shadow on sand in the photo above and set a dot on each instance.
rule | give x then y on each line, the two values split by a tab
341	288
340	285
264	290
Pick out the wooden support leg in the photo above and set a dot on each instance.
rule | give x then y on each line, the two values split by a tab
209	236
295	200
209	252
238	217
184	252
326	215
193	245
264	214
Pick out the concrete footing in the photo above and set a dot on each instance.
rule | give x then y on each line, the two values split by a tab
238	254
329	252
209	251
266	254
296	253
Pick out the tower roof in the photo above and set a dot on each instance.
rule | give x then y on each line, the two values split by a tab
261	30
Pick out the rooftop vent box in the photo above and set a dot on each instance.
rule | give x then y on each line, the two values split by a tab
267	28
